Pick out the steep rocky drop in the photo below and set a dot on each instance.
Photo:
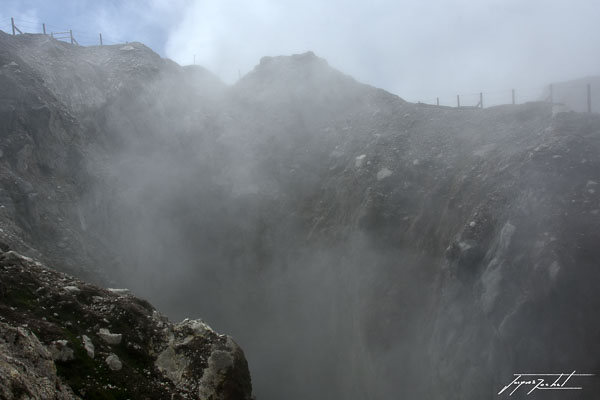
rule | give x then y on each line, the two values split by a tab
357	246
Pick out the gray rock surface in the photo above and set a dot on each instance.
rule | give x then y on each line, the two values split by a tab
60	351
88	346
27	369
113	362
108	337
46	344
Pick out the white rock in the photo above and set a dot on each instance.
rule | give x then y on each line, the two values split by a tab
108	337
88	346
383	173
199	326
72	289
127	48
218	363
171	364
113	362
120	292
360	160
61	351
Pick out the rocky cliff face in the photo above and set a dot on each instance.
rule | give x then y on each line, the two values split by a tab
63	338
356	245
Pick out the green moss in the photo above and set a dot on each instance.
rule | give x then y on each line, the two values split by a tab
21	298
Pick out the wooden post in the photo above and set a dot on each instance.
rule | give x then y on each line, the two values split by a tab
100	40
513	96
589	97
44	28
71	34
437	100
12	22
458	100
551	93
481	100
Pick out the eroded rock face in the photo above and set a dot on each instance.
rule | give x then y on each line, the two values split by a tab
27	369
62	343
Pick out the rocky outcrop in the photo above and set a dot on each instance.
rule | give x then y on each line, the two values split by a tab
58	339
27	367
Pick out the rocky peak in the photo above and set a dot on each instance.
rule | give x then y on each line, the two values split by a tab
300	78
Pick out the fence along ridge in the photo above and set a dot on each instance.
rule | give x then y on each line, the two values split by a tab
68	35
60	34
586	88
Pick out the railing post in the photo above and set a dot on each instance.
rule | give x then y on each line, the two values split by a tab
513	97
100	40
589	97
458	100
71	34
12	23
437	99
44	28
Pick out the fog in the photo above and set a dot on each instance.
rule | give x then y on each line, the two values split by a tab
230	204
247	203
417	50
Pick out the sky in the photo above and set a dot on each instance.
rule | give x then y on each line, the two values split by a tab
419	50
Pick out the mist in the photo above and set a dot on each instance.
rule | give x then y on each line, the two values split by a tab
292	191
419	51
210	201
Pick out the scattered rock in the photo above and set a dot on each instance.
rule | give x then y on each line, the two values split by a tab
383	173
88	346
61	351
108	337
113	362
360	160
72	289
120	292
